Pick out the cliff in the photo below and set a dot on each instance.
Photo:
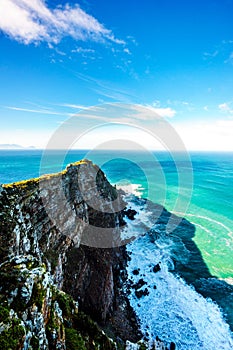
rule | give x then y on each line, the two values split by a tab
43	223
62	264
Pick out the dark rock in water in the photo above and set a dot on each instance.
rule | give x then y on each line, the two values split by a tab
140	293
136	272
172	346
156	268
130	213
139	284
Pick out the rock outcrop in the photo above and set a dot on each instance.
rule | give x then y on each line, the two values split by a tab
59	232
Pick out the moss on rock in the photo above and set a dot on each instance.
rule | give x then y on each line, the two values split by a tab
74	340
38	295
12	336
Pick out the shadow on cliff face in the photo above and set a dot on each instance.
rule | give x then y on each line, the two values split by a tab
94	276
189	264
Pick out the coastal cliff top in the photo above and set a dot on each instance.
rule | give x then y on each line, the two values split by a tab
45	177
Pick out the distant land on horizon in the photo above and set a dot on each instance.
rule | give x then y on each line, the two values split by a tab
14	146
5	146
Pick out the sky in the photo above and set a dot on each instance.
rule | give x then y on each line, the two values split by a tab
173	58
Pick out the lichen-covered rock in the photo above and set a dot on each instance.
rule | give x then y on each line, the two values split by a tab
35	314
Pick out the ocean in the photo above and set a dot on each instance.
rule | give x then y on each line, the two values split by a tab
189	300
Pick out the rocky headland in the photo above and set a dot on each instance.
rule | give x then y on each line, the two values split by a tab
62	264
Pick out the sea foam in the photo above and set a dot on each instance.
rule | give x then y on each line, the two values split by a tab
168	307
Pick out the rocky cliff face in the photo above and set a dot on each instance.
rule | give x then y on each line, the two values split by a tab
43	223
62	264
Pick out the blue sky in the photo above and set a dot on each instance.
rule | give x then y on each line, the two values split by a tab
175	57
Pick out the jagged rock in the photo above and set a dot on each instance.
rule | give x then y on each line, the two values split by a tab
156	268
130	213
139	284
140	293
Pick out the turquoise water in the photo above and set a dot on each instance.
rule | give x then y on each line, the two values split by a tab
211	203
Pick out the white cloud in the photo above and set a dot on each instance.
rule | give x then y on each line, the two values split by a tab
31	21
225	107
126	50
19	24
164	112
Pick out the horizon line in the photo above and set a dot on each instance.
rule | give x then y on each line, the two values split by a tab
113	149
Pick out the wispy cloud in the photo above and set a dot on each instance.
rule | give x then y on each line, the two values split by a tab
32	21
61	109
181	106
107	89
74	106
178	103
83	50
208	55
226	107
40	111
221	51
132	39
229	59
